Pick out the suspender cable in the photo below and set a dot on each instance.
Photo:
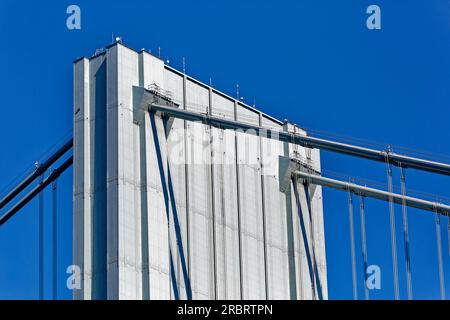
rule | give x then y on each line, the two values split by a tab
352	244
439	253
55	241
406	233
41	242
392	224
364	243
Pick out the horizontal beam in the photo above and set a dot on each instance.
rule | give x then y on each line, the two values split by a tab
39	170
41	186
374	193
306	141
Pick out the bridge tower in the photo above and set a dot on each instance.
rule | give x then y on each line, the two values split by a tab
167	208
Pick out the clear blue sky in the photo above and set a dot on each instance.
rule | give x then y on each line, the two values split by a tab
313	62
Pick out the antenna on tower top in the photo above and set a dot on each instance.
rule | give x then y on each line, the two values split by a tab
238	94
184	65
159	52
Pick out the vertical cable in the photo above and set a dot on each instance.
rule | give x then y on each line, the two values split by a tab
55	242
392	223
41	242
352	244
439	253
364	243
406	233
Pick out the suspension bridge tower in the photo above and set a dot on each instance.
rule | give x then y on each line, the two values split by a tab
191	201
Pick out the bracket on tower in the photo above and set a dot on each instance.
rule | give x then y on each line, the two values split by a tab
144	98
287	166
